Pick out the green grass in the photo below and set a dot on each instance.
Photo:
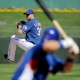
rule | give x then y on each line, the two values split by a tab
7	70
70	22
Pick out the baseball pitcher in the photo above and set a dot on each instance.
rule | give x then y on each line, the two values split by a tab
32	30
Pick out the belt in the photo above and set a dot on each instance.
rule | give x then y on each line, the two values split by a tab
33	42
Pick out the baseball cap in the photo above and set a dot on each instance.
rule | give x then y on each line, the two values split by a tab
29	11
50	33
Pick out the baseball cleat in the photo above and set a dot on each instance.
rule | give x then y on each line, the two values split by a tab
6	57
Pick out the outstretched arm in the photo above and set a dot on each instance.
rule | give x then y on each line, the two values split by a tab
53	45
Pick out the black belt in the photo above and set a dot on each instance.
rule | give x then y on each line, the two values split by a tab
33	42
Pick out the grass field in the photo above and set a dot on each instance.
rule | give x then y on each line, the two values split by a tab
7	70
69	21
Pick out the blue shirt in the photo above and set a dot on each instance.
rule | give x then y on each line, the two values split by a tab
46	62
32	29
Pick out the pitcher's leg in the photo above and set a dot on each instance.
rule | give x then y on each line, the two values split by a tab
22	43
11	50
15	41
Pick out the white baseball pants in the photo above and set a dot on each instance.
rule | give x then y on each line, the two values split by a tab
17	41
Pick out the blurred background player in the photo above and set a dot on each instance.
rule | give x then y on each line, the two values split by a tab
32	30
40	60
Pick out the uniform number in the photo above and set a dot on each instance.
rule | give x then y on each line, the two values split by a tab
39	31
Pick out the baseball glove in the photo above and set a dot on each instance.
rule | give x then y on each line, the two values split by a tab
20	23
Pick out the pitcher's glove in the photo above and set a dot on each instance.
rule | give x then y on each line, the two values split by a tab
20	23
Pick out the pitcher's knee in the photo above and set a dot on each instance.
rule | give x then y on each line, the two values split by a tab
13	36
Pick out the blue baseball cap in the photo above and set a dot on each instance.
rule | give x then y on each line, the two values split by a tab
50	33
29	11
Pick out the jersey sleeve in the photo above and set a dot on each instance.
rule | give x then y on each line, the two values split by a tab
25	28
61	45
